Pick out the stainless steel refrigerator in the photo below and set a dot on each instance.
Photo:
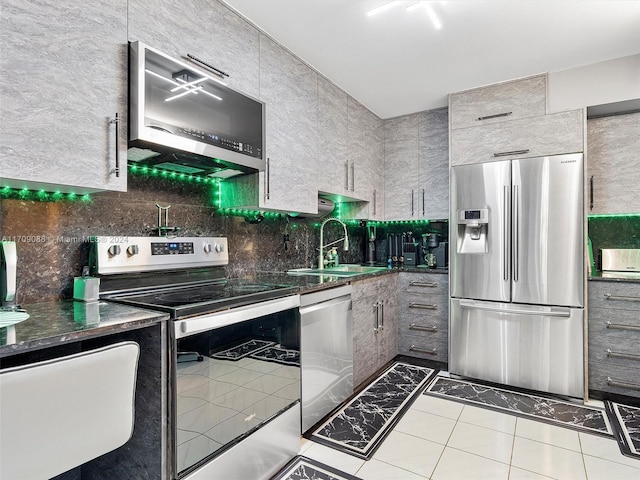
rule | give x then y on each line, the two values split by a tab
517	266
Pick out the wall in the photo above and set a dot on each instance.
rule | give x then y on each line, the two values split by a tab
605	82
51	251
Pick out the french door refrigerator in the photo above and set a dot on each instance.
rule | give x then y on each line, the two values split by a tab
517	264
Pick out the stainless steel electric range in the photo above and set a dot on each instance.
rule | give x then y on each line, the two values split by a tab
234	352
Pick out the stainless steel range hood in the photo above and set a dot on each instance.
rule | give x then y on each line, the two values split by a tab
186	120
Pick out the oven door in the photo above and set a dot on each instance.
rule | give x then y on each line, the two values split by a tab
234	371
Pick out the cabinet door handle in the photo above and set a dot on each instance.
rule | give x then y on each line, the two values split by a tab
375	201
346	175
608	296
513	152
267	180
616	383
617	326
377	328
353	177
381	314
412	202
423	284
423	306
626	356
413	348
116	122
495	115
215	70
591	192
422	328
423	202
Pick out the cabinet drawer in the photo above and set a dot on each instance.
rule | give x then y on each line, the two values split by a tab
612	323
496	103
612	295
424	327
430	348
529	137
626	354
614	378
428	284
424	309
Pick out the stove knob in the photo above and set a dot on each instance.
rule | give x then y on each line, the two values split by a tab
207	248
132	250
219	247
114	250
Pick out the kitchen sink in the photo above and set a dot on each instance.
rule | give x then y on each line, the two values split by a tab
346	270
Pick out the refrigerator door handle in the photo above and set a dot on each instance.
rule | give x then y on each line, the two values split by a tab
516	234
556	312
505	239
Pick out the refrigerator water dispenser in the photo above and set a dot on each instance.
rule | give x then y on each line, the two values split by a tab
473	226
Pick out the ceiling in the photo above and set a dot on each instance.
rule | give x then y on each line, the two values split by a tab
396	62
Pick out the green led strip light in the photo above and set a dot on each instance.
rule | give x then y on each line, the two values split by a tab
614	215
41	195
160	173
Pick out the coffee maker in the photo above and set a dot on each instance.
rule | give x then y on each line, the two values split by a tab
435	252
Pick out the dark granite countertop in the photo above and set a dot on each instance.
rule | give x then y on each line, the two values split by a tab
53	323
613	277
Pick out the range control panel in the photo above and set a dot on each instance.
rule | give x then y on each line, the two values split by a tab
122	254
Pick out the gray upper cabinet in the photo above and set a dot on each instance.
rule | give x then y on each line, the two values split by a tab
209	31
63	78
433	157
511	100
528	137
614	148
417	166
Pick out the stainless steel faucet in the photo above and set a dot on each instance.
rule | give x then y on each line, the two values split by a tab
322	246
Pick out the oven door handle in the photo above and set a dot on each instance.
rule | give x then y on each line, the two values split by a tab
202	323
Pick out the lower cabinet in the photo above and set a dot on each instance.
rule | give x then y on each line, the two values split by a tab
424	315
614	336
375	335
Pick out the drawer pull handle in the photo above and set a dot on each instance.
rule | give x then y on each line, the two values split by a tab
617	326
616	383
423	284
422	306
608	296
496	115
421	328
413	348
513	152
626	356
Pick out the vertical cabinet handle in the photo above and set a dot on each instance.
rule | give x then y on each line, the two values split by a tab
412	202
423	202
591	192
267	180
116	122
516	234
353	177
375	201
376	327
381	314
346	175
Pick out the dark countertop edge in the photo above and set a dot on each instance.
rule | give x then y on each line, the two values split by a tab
597	276
79	335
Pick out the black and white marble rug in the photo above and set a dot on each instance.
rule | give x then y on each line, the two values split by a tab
278	355
626	425
566	414
359	427
242	350
303	468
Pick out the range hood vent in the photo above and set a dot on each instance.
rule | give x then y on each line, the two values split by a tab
325	207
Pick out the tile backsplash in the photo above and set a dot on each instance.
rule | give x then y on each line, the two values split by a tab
615	231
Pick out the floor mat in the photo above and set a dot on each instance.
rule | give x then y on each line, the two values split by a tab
359	427
303	468
566	414
278	355
626	425
240	351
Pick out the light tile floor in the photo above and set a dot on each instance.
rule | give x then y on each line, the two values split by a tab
441	439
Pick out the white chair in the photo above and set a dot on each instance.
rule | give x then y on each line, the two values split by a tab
61	413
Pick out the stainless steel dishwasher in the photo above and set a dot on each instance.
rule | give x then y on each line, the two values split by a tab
326	352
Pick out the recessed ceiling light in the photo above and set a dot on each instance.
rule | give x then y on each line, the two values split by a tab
382	8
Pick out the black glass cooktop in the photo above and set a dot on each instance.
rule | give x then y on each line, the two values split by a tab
205	298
